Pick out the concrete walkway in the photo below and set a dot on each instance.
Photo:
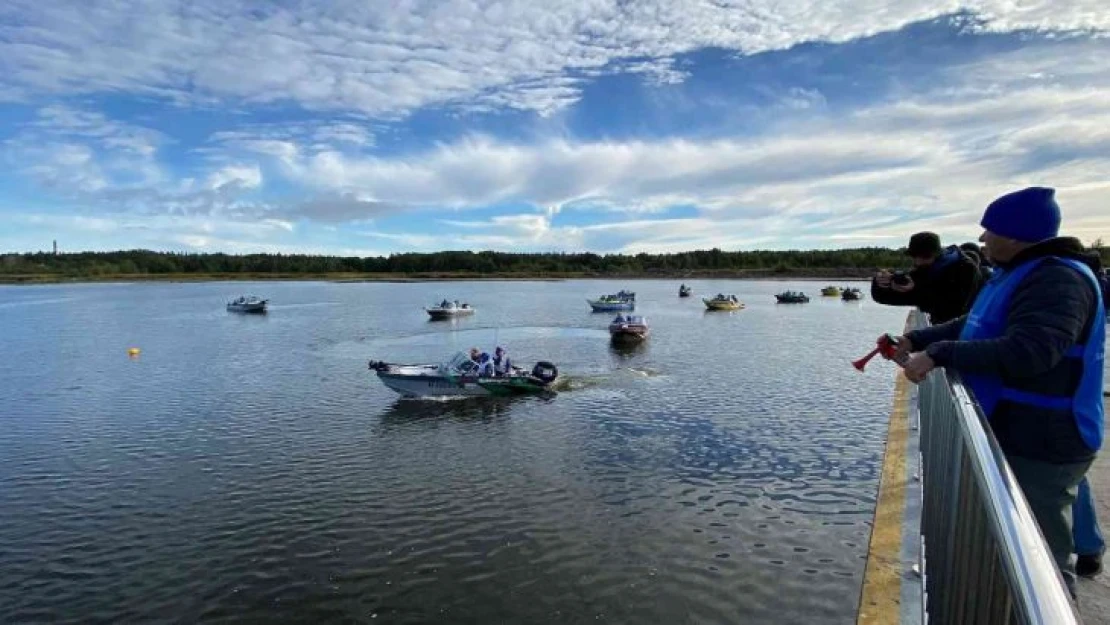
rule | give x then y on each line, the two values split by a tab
1094	594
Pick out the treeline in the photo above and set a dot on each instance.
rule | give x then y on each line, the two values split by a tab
148	262
705	262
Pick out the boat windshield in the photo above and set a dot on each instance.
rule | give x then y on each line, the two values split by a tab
461	363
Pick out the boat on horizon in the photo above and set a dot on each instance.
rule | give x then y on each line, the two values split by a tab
449	310
831	291
851	294
792	297
248	304
617	302
684	291
723	302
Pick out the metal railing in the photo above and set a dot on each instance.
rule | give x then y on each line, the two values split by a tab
985	560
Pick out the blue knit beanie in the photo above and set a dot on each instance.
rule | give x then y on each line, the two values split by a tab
1030	215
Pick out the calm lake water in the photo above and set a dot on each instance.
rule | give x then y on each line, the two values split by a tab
248	468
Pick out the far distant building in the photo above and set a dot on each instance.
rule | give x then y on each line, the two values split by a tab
55	247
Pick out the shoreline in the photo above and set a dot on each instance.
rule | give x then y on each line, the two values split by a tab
832	275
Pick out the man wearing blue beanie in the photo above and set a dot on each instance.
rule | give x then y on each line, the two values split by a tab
1032	350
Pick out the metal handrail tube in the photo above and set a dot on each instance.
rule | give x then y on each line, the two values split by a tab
976	521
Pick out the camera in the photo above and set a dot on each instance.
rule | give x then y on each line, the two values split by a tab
900	278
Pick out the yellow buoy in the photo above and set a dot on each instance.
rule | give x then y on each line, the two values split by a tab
133	351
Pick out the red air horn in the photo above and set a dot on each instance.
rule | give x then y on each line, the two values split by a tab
886	346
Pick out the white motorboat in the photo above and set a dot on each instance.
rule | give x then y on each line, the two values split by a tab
247	304
450	310
459	378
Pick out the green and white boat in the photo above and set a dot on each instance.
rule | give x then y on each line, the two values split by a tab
459	378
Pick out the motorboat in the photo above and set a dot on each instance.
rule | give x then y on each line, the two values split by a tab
831	291
450	310
792	297
723	302
617	302
629	329
684	291
247	304
458	377
851	294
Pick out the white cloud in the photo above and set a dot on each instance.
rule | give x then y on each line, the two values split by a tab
235	176
384	58
833	177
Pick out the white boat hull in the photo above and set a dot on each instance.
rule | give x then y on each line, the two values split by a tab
449	313
247	308
432	386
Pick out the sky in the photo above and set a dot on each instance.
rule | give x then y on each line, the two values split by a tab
374	127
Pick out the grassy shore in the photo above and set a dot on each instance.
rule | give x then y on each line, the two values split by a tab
752	274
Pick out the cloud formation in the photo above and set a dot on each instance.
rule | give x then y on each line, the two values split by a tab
516	125
385	58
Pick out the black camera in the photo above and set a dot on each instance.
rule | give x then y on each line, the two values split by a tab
900	278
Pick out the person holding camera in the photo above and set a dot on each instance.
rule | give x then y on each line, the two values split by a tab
943	282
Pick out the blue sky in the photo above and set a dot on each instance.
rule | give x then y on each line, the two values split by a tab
364	127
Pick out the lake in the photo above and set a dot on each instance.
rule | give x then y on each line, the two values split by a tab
250	468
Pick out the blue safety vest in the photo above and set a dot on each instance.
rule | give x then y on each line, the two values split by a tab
987	320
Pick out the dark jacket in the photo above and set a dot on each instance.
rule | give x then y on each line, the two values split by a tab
1051	310
944	290
984	269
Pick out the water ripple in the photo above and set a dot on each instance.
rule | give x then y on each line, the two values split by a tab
246	469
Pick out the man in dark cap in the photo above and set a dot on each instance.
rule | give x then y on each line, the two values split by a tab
942	284
1032	351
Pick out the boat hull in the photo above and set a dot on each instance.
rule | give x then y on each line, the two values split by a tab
417	386
247	308
719	305
438	313
599	306
629	336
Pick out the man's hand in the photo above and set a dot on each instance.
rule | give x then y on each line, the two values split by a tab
882	279
905	348
918	367
903	288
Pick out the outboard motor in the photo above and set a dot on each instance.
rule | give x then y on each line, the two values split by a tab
545	372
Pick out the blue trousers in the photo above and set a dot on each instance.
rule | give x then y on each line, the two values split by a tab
1084	529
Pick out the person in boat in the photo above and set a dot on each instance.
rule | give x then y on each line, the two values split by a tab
475	356
485	365
501	365
444	304
619	319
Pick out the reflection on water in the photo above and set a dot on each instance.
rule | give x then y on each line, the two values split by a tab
251	468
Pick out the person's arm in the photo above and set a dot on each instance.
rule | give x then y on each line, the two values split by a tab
950	331
890	297
1048	314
